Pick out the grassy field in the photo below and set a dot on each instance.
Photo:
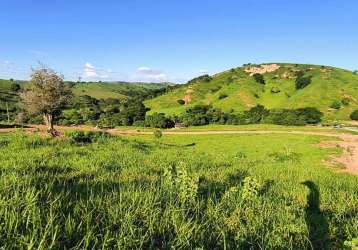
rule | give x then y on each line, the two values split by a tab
181	192
329	84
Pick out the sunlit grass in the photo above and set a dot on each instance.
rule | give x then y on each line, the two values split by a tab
213	191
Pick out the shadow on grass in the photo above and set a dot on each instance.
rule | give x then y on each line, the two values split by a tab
209	188
13	126
178	145
315	220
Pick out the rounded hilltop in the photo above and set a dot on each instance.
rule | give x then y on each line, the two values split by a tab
274	85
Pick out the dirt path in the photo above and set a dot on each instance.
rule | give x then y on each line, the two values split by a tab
348	142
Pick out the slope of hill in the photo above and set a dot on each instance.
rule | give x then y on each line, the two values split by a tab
237	90
118	90
99	90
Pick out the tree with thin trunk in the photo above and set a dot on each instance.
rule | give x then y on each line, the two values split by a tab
47	95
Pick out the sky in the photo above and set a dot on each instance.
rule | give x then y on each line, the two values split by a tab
172	40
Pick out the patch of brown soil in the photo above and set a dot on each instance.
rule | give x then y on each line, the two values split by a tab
187	97
262	69
349	158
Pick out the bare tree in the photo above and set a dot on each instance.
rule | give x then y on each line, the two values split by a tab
46	95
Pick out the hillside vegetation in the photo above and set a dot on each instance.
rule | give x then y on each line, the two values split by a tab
83	92
332	90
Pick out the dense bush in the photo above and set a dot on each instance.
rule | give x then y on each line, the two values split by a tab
86	136
335	105
203	78
310	115
302	82
354	115
181	102
259	78
203	115
15	87
158	120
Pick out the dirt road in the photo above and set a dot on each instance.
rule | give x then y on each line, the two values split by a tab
348	142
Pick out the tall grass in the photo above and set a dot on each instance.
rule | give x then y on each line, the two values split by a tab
257	191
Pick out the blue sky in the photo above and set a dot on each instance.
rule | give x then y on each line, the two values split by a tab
172	40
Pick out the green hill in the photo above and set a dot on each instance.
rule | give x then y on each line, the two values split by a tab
9	100
237	90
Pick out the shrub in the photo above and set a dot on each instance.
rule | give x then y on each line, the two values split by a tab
302	82
256	114
158	120
355	72
310	115
181	102
86	136
259	78
139	124
203	78
336	105
354	115
222	96
215	89
15	87
251	188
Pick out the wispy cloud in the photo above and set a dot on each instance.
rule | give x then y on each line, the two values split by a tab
9	69
92	73
145	73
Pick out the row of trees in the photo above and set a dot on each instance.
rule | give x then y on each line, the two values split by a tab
200	115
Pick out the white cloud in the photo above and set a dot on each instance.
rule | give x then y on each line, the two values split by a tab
9	69
145	73
90	72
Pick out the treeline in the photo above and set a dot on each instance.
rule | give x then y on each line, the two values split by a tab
203	115
105	113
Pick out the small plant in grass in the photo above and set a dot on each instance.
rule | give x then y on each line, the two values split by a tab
157	134
251	188
275	90
178	182
287	156
86	136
